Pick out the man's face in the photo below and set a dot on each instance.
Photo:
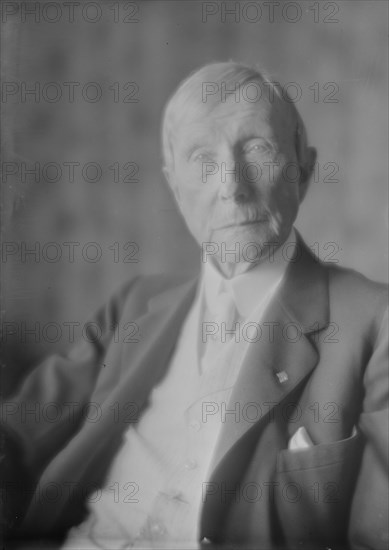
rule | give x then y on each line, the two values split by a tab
235	176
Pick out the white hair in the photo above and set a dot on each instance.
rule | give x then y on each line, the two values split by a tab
188	102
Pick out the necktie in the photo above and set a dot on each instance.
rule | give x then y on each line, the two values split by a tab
219	327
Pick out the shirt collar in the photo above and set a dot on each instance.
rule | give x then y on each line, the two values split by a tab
252	287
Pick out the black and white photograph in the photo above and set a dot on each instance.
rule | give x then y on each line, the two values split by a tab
194	275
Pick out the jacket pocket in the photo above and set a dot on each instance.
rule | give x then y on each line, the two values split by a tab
324	454
315	487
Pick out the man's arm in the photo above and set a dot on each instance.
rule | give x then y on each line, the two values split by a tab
49	408
368	528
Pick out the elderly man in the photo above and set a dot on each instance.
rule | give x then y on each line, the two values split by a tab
249	410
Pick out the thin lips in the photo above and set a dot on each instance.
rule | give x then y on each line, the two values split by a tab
237	224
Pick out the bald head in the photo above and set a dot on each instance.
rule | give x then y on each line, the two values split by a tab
213	85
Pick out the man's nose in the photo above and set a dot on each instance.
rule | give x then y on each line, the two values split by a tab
233	185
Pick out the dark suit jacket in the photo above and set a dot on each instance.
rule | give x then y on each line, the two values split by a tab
259	494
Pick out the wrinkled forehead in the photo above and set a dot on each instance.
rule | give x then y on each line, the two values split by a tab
250	111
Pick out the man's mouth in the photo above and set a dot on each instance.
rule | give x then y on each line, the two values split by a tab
240	224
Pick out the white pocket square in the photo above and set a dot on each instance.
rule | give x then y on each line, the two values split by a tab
300	440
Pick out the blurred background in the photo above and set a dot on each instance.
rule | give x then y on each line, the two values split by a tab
81	164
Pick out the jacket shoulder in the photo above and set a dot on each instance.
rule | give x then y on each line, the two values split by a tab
135	294
353	281
357	293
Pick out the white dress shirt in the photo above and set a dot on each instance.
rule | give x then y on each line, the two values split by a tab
152	497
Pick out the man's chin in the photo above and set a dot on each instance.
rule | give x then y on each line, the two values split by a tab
246	243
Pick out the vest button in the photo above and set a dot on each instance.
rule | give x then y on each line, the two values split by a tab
190	465
195	425
157	529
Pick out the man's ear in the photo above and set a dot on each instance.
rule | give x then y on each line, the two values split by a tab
306	171
172	183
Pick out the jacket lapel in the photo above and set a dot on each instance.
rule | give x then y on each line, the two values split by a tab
274	366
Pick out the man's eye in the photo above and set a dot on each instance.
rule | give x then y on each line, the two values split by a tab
257	148
203	156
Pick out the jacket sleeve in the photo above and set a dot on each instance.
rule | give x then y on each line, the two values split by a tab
368	526
49	408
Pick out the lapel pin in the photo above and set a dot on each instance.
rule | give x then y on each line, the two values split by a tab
282	377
